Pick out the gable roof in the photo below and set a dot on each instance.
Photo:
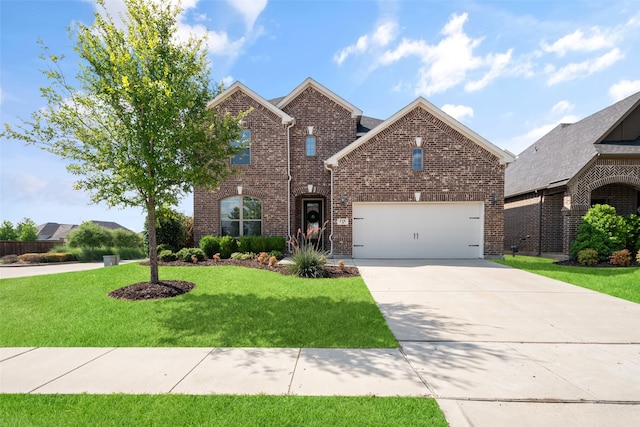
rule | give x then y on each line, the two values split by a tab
55	231
237	86
309	82
504	156
562	153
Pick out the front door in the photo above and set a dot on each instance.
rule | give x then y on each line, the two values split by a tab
312	220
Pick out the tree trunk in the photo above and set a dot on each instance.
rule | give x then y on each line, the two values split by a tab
153	247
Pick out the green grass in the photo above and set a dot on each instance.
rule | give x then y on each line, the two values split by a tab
619	282
221	410
230	307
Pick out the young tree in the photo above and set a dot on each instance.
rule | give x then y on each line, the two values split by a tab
27	230
90	235
7	232
138	131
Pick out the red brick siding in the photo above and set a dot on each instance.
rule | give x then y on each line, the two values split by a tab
622	197
552	222
522	219
455	169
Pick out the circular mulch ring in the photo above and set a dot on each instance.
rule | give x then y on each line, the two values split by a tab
147	291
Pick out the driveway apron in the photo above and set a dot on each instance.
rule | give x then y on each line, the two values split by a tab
500	346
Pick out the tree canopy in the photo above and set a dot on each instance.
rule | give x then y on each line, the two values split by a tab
137	131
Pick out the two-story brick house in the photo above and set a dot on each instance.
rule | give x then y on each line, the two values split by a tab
417	185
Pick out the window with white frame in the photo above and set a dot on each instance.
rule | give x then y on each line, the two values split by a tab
241	216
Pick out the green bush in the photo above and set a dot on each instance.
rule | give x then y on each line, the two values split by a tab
633	232
588	257
126	239
621	258
90	235
27	230
276	254
243	255
210	245
171	230
308	262
245	243
601	229
186	254
58	257
130	253
228	245
276	243
167	256
259	244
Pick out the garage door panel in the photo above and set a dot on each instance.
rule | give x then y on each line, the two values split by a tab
417	230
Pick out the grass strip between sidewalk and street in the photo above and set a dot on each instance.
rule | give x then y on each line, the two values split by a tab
230	307
217	410
621	282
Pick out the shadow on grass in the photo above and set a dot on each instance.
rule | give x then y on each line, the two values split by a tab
246	320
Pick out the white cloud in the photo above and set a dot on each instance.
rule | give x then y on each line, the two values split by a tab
585	68
458	112
448	63
624	88
578	41
226	81
381	36
249	9
562	107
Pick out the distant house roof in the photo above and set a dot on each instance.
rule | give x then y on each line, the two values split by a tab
561	154
55	231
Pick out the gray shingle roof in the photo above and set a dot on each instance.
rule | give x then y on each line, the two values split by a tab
558	156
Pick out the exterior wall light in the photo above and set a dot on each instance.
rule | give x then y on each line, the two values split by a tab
494	199
343	200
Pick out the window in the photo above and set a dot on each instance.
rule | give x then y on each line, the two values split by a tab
244	156
241	216
416	159
310	146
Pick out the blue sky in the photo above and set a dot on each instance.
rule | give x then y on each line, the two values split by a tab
509	70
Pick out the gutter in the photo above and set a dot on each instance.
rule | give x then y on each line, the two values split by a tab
289	178
330	169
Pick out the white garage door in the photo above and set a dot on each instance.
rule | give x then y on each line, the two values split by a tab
418	230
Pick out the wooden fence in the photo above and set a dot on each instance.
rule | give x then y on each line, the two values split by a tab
11	247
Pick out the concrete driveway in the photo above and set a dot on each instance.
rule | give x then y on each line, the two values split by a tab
501	347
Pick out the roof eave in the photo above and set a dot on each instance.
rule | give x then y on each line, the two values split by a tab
309	82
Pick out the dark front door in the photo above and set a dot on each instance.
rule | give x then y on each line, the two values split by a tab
312	220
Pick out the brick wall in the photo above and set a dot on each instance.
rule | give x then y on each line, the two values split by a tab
522	219
622	197
552	222
455	169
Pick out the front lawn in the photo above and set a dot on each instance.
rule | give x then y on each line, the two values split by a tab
230	307
616	281
182	410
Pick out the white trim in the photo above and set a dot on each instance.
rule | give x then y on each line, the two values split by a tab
309	82
237	86
504	156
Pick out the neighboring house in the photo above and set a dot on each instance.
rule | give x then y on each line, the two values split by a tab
55	231
556	180
417	185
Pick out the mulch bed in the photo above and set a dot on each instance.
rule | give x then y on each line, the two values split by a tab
604	264
172	288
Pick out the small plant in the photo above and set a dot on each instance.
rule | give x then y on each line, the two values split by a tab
588	257
276	243
241	256
59	257
621	258
276	254
34	258
194	259
216	257
186	254
228	245
166	256
272	261
9	259
308	259
263	257
341	265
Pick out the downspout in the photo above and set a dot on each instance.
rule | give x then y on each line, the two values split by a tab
540	226
289	178
327	167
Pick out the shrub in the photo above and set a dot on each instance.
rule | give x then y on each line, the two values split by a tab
245	244
130	253
276	254
621	258
210	245
185	254
638	257
276	243
126	239
228	245
171	230
166	256
243	255
58	257
31	258
90	235
601	229
259	244
633	232
9	259
588	257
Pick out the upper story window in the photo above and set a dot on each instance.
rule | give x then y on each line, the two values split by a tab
241	216
310	146
244	156
416	159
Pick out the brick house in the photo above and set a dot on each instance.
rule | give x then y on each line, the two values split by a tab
417	185
553	183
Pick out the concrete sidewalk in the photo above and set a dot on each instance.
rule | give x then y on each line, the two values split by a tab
275	371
